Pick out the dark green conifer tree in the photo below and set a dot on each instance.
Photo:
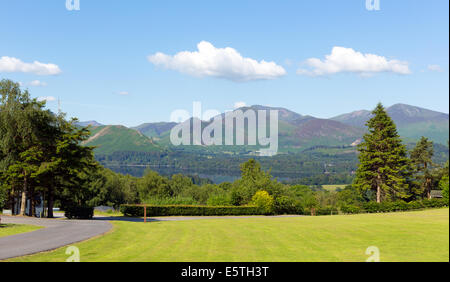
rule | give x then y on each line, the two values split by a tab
421	157
384	166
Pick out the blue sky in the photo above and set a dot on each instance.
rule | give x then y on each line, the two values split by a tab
101	52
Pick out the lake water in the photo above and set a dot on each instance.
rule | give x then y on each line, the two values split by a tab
215	176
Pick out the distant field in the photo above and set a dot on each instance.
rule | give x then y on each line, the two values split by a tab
11	229
410	236
332	188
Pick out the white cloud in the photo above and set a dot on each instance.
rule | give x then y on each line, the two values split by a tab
224	63
9	64
37	83
435	68
124	93
238	105
344	59
47	99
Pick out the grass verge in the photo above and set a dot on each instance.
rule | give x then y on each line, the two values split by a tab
12	229
408	236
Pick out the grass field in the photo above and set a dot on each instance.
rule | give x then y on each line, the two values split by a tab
409	236
11	229
332	188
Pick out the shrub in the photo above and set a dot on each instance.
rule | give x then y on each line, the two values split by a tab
219	200
79	212
415	205
184	210
399	206
264	202
434	203
443	184
371	207
350	209
328	210
286	205
178	200
393	206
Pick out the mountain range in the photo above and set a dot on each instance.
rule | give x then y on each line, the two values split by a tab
296	132
412	122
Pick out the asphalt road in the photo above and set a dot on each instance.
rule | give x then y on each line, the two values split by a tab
56	233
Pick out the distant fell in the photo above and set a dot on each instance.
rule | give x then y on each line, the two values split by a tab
412	122
87	123
116	138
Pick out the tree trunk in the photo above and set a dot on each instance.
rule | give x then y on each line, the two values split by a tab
428	187
379	189
43	205
32	203
23	204
50	202
13	200
378	193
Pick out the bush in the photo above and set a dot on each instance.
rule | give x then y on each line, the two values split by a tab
79	212
178	200
373	207
219	200
328	210
286	205
435	203
184	210
350	209
264	202
415	205
393	206
443	184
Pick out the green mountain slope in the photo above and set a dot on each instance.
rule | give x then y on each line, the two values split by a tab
114	138
155	130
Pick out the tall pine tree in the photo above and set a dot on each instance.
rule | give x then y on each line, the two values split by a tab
421	157
384	166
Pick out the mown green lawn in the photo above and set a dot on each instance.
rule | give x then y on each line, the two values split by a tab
11	229
409	236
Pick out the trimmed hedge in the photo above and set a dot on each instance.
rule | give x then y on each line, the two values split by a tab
186	210
328	210
190	210
373	207
79	212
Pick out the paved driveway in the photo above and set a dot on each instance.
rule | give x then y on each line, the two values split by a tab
56	233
